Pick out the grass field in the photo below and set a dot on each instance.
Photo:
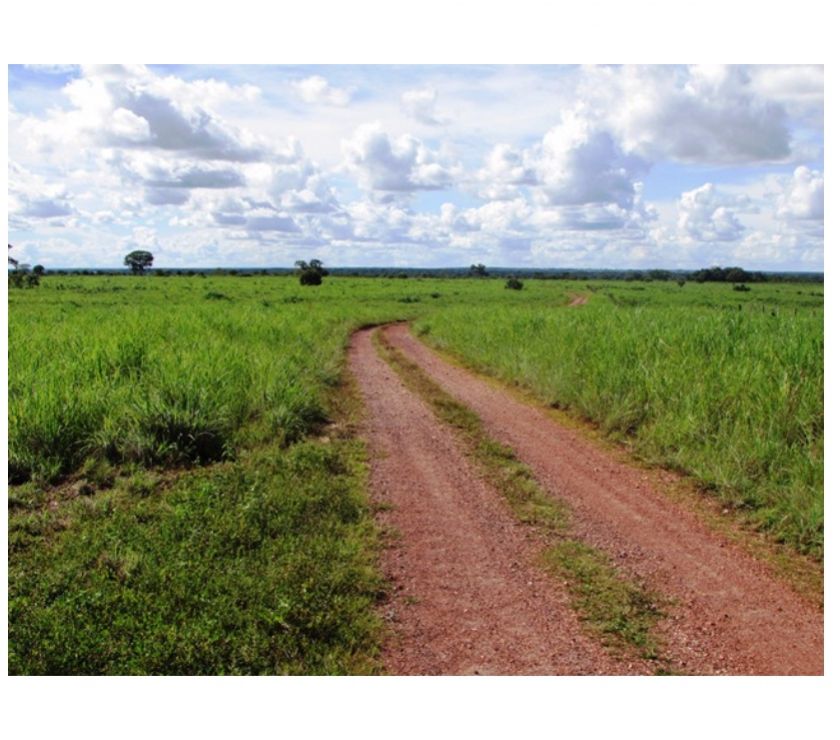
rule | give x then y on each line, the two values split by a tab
183	499
722	385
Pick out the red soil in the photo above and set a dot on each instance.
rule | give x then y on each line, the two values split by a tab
466	597
729	616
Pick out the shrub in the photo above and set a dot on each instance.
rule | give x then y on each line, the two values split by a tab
312	272
514	284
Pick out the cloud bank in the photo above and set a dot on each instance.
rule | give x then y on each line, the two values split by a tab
580	166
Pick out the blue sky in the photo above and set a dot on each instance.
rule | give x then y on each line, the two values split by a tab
435	165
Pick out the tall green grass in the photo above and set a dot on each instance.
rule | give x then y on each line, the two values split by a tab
164	375
257	555
731	395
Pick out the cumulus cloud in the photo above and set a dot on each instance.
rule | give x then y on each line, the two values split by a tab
707	215
403	164
31	197
505	169
799	88
710	114
316	89
160	172
565	187
251	216
132	107
803	196
421	105
578	164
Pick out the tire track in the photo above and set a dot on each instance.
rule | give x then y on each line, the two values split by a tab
466	597
730	615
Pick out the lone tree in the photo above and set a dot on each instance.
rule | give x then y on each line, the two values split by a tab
514	283
138	261
312	272
478	270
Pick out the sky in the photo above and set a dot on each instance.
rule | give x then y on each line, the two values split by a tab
418	166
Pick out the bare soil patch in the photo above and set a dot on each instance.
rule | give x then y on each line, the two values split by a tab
467	597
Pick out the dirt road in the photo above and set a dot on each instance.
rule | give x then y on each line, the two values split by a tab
466	598
729	616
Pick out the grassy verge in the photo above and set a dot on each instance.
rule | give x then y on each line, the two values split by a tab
725	389
803	572
619	610
263	565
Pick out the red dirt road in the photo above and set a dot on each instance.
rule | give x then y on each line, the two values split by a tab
731	615
466	598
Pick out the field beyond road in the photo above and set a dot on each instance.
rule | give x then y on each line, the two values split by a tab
188	491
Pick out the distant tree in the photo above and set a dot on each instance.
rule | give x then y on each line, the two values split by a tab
681	282
737	275
21	276
38	270
312	272
514	284
478	270
138	261
727	275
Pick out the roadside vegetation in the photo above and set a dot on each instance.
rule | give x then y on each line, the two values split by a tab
186	495
724	386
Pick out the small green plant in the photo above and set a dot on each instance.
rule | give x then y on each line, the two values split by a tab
98	472
514	284
141	484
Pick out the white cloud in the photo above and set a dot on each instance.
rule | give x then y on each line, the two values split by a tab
32	198
505	169
162	172
706	215
803	196
578	164
421	106
799	87
709	114
316	89
132	107
122	147
403	164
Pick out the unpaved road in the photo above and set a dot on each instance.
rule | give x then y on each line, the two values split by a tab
466	598
730	615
